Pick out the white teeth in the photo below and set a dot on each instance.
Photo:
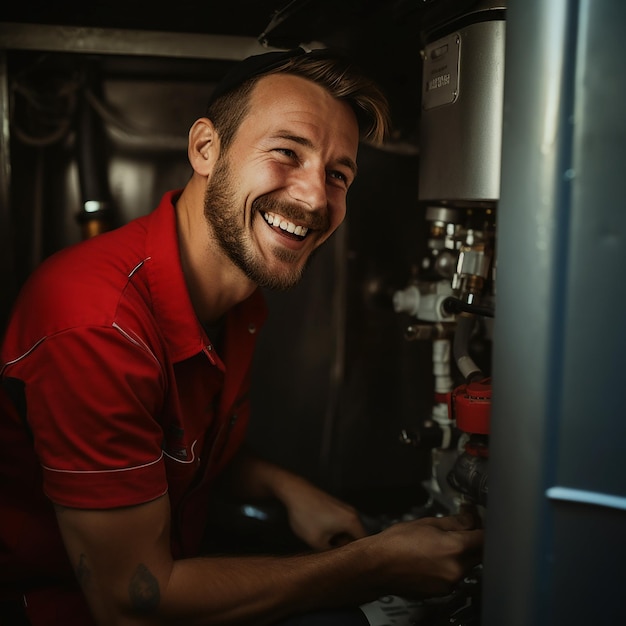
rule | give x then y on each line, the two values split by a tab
283	224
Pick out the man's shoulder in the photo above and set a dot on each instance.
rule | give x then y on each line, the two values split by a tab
82	284
107	281
95	265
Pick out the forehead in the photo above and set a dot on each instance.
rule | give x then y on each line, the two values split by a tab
304	107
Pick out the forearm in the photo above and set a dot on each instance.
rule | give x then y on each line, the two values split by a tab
250	476
319	519
261	590
412	559
123	563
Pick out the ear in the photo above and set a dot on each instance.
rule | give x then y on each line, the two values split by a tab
204	146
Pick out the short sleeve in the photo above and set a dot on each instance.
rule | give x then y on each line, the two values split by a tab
94	401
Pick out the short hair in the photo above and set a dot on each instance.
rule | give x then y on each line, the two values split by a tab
330	69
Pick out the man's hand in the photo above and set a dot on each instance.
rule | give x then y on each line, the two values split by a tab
431	554
315	517
424	557
318	518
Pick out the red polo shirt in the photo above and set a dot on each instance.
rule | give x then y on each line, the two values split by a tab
114	395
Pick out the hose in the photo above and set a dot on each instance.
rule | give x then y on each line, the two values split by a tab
465	363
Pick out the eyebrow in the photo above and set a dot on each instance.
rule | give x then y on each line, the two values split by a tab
307	143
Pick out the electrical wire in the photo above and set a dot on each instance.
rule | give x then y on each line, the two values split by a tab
46	111
54	112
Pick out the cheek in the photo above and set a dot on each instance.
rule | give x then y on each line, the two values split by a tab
268	180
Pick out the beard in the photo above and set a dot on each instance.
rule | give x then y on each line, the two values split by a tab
222	213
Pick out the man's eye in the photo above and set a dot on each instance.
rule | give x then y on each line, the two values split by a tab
287	152
339	176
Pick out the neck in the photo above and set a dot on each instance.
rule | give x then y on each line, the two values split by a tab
214	282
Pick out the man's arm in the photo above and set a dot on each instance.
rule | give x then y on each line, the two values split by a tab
315	516
123	562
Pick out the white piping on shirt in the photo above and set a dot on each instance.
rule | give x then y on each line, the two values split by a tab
138	266
122	469
19	358
191	460
136	342
134	339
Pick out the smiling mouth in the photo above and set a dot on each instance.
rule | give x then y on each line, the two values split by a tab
286	227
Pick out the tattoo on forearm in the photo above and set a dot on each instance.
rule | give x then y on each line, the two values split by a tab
83	573
144	589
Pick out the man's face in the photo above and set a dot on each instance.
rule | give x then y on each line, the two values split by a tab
280	190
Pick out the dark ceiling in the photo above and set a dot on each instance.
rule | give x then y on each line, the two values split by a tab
296	21
384	36
237	17
230	17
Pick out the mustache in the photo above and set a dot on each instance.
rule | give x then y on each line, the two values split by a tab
315	220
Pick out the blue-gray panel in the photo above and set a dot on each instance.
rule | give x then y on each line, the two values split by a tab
587	585
593	428
557	470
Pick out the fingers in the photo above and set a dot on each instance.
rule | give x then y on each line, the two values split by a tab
472	541
468	539
472	511
335	527
352	530
357	530
340	539
450	522
467	519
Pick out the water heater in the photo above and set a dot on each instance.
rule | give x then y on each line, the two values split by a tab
461	117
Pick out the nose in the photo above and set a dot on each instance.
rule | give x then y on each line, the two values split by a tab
308	186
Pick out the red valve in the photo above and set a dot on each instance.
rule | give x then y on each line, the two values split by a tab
470	405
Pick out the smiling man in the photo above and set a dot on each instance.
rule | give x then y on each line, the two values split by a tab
125	377
279	191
